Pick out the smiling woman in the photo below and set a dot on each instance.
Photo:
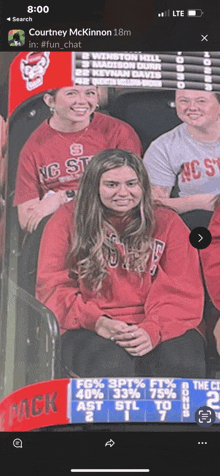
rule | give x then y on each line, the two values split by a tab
57	153
72	108
189	153
200	111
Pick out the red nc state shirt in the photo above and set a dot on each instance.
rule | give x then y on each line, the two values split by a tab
210	258
52	160
166	301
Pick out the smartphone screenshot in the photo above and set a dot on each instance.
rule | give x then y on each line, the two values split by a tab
110	238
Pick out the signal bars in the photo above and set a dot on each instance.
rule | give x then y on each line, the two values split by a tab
164	14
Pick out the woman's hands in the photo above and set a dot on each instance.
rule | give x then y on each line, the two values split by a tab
108	328
132	338
32	212
135	340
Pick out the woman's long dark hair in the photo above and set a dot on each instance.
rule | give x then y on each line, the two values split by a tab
91	246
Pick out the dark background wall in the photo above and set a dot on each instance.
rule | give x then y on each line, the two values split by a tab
5	60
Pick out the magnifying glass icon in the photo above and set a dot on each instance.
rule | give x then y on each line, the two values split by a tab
17	443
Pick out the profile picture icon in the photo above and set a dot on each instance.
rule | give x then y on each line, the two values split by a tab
16	37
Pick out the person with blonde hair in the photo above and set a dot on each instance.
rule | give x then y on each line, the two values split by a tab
122	278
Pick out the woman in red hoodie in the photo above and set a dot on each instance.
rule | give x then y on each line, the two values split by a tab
122	278
210	258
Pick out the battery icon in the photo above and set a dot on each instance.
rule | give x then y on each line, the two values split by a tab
195	13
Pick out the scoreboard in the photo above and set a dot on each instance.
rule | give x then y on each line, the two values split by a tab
108	400
141	399
171	70
149	70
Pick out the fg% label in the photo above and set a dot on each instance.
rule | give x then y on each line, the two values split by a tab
89	394
162	393
89	383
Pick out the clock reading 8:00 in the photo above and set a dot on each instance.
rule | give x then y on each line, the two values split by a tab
38	9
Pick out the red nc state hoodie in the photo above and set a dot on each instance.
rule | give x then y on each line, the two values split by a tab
210	258
166	301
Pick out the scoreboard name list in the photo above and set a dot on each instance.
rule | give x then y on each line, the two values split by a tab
199	70
141	399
